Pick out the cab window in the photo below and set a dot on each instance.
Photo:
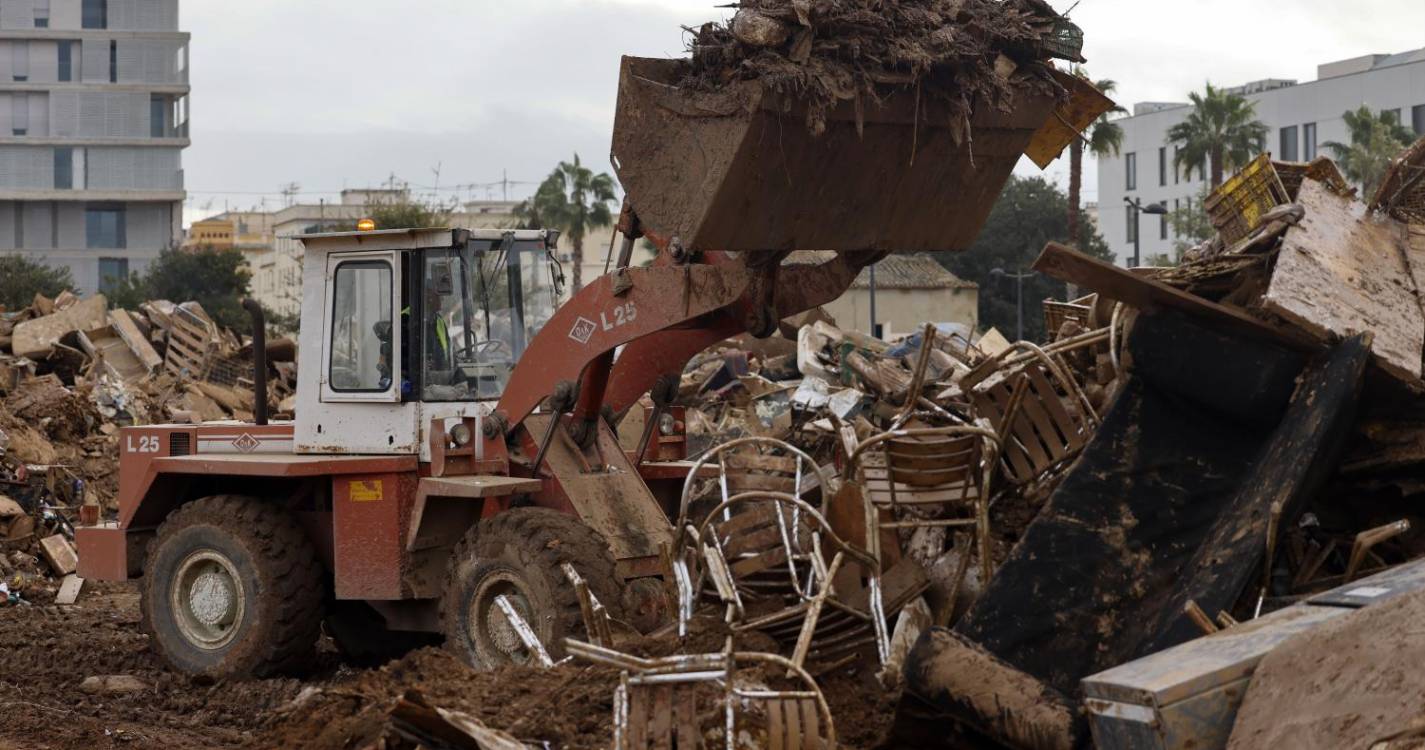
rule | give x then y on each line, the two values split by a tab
481	305
361	353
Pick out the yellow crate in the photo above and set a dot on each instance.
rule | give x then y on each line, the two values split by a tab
1237	206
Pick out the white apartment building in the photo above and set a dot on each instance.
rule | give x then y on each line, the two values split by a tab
1301	117
93	119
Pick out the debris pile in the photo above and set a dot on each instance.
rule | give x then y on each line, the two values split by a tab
72	372
956	52
1251	474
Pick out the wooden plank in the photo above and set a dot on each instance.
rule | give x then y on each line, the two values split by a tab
793	722
749	519
687	718
811	724
1067	264
775	725
764	561
128	330
59	553
663	717
36	338
758	541
638	698
1341	272
1063	417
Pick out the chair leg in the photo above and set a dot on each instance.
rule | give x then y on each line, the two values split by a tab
982	530
799	654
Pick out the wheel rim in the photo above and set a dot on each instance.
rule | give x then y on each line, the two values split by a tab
207	600
491	630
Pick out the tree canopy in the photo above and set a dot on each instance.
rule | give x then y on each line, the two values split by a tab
1376	140
573	200
1030	213
21	278
215	278
1105	138
1222	130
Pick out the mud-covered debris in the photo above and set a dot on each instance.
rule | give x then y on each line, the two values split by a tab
962	53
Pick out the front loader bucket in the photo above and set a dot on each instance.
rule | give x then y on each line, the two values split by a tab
739	170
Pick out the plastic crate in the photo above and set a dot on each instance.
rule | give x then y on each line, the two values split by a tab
1066	41
1237	206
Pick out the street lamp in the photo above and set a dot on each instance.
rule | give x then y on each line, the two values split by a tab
1154	209
1018	298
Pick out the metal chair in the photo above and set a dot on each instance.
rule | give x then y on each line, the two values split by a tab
661	703
926	477
773	561
1039	411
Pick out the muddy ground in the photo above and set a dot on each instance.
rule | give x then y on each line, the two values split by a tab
46	652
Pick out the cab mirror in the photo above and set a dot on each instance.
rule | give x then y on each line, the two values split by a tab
551	239
442	278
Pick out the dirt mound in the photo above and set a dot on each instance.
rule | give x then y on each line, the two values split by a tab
1350	683
828	51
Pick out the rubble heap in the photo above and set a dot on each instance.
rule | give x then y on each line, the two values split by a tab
72	372
958	52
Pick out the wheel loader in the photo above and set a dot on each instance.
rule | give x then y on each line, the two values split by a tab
454	437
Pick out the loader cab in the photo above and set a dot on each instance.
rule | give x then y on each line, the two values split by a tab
402	326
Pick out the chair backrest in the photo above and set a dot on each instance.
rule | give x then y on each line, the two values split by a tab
922	466
755	464
662	716
1039	410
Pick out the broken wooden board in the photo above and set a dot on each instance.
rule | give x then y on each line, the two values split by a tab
59	553
128	330
1067	264
36	338
1341	272
118	360
69	590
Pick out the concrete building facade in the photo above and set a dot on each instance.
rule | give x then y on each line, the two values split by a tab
93	119
1300	117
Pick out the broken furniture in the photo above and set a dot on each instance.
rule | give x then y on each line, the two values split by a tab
663	702
937	477
773	561
1189	696
1038	410
1167	503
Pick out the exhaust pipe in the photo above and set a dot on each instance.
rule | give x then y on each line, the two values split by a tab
259	360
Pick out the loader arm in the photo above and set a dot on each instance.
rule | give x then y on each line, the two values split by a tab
799	288
610	312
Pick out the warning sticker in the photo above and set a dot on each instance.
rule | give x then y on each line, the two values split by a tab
366	490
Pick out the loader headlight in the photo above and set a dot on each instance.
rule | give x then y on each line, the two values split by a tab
667	425
460	435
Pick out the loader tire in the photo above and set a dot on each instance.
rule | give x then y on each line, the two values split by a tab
520	553
232	588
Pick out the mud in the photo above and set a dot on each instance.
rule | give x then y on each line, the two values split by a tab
827	51
1351	682
48	651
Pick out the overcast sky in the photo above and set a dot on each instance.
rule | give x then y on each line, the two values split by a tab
329	94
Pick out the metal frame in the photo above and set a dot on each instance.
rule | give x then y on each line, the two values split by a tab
988	456
702	558
641	674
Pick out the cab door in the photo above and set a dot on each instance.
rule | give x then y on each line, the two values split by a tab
359	407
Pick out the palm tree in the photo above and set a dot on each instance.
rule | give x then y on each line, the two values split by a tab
1222	130
1376	139
1105	138
573	200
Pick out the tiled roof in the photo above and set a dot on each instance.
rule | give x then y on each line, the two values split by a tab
895	272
